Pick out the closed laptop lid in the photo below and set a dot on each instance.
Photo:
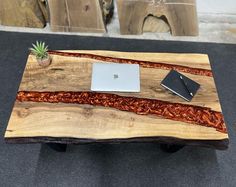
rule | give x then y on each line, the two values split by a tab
115	77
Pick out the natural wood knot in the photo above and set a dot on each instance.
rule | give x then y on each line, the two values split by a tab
23	112
86	7
113	115
132	120
131	125
56	69
87	112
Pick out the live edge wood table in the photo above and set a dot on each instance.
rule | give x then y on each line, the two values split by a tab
55	104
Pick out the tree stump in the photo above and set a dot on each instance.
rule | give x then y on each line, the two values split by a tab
23	13
180	15
79	15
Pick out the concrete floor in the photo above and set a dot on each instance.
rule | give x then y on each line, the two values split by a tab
218	28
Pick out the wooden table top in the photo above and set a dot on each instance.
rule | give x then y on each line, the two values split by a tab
55	104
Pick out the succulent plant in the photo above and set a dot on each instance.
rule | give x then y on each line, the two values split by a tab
40	50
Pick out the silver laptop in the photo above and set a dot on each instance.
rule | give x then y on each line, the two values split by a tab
115	77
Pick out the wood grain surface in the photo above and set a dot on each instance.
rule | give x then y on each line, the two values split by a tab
23	13
76	16
180	15
60	120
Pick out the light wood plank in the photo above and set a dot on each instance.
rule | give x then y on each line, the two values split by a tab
84	121
76	16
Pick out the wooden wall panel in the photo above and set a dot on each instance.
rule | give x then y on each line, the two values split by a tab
180	15
23	13
76	16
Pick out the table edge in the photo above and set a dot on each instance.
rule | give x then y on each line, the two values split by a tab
215	144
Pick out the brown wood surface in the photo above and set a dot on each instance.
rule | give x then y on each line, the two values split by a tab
180	15
154	24
76	16
30	119
23	13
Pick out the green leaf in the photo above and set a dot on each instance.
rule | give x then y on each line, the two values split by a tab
39	49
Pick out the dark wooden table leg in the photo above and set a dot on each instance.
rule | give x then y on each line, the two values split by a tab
171	148
57	147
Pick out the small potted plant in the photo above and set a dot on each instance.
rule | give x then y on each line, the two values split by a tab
40	50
